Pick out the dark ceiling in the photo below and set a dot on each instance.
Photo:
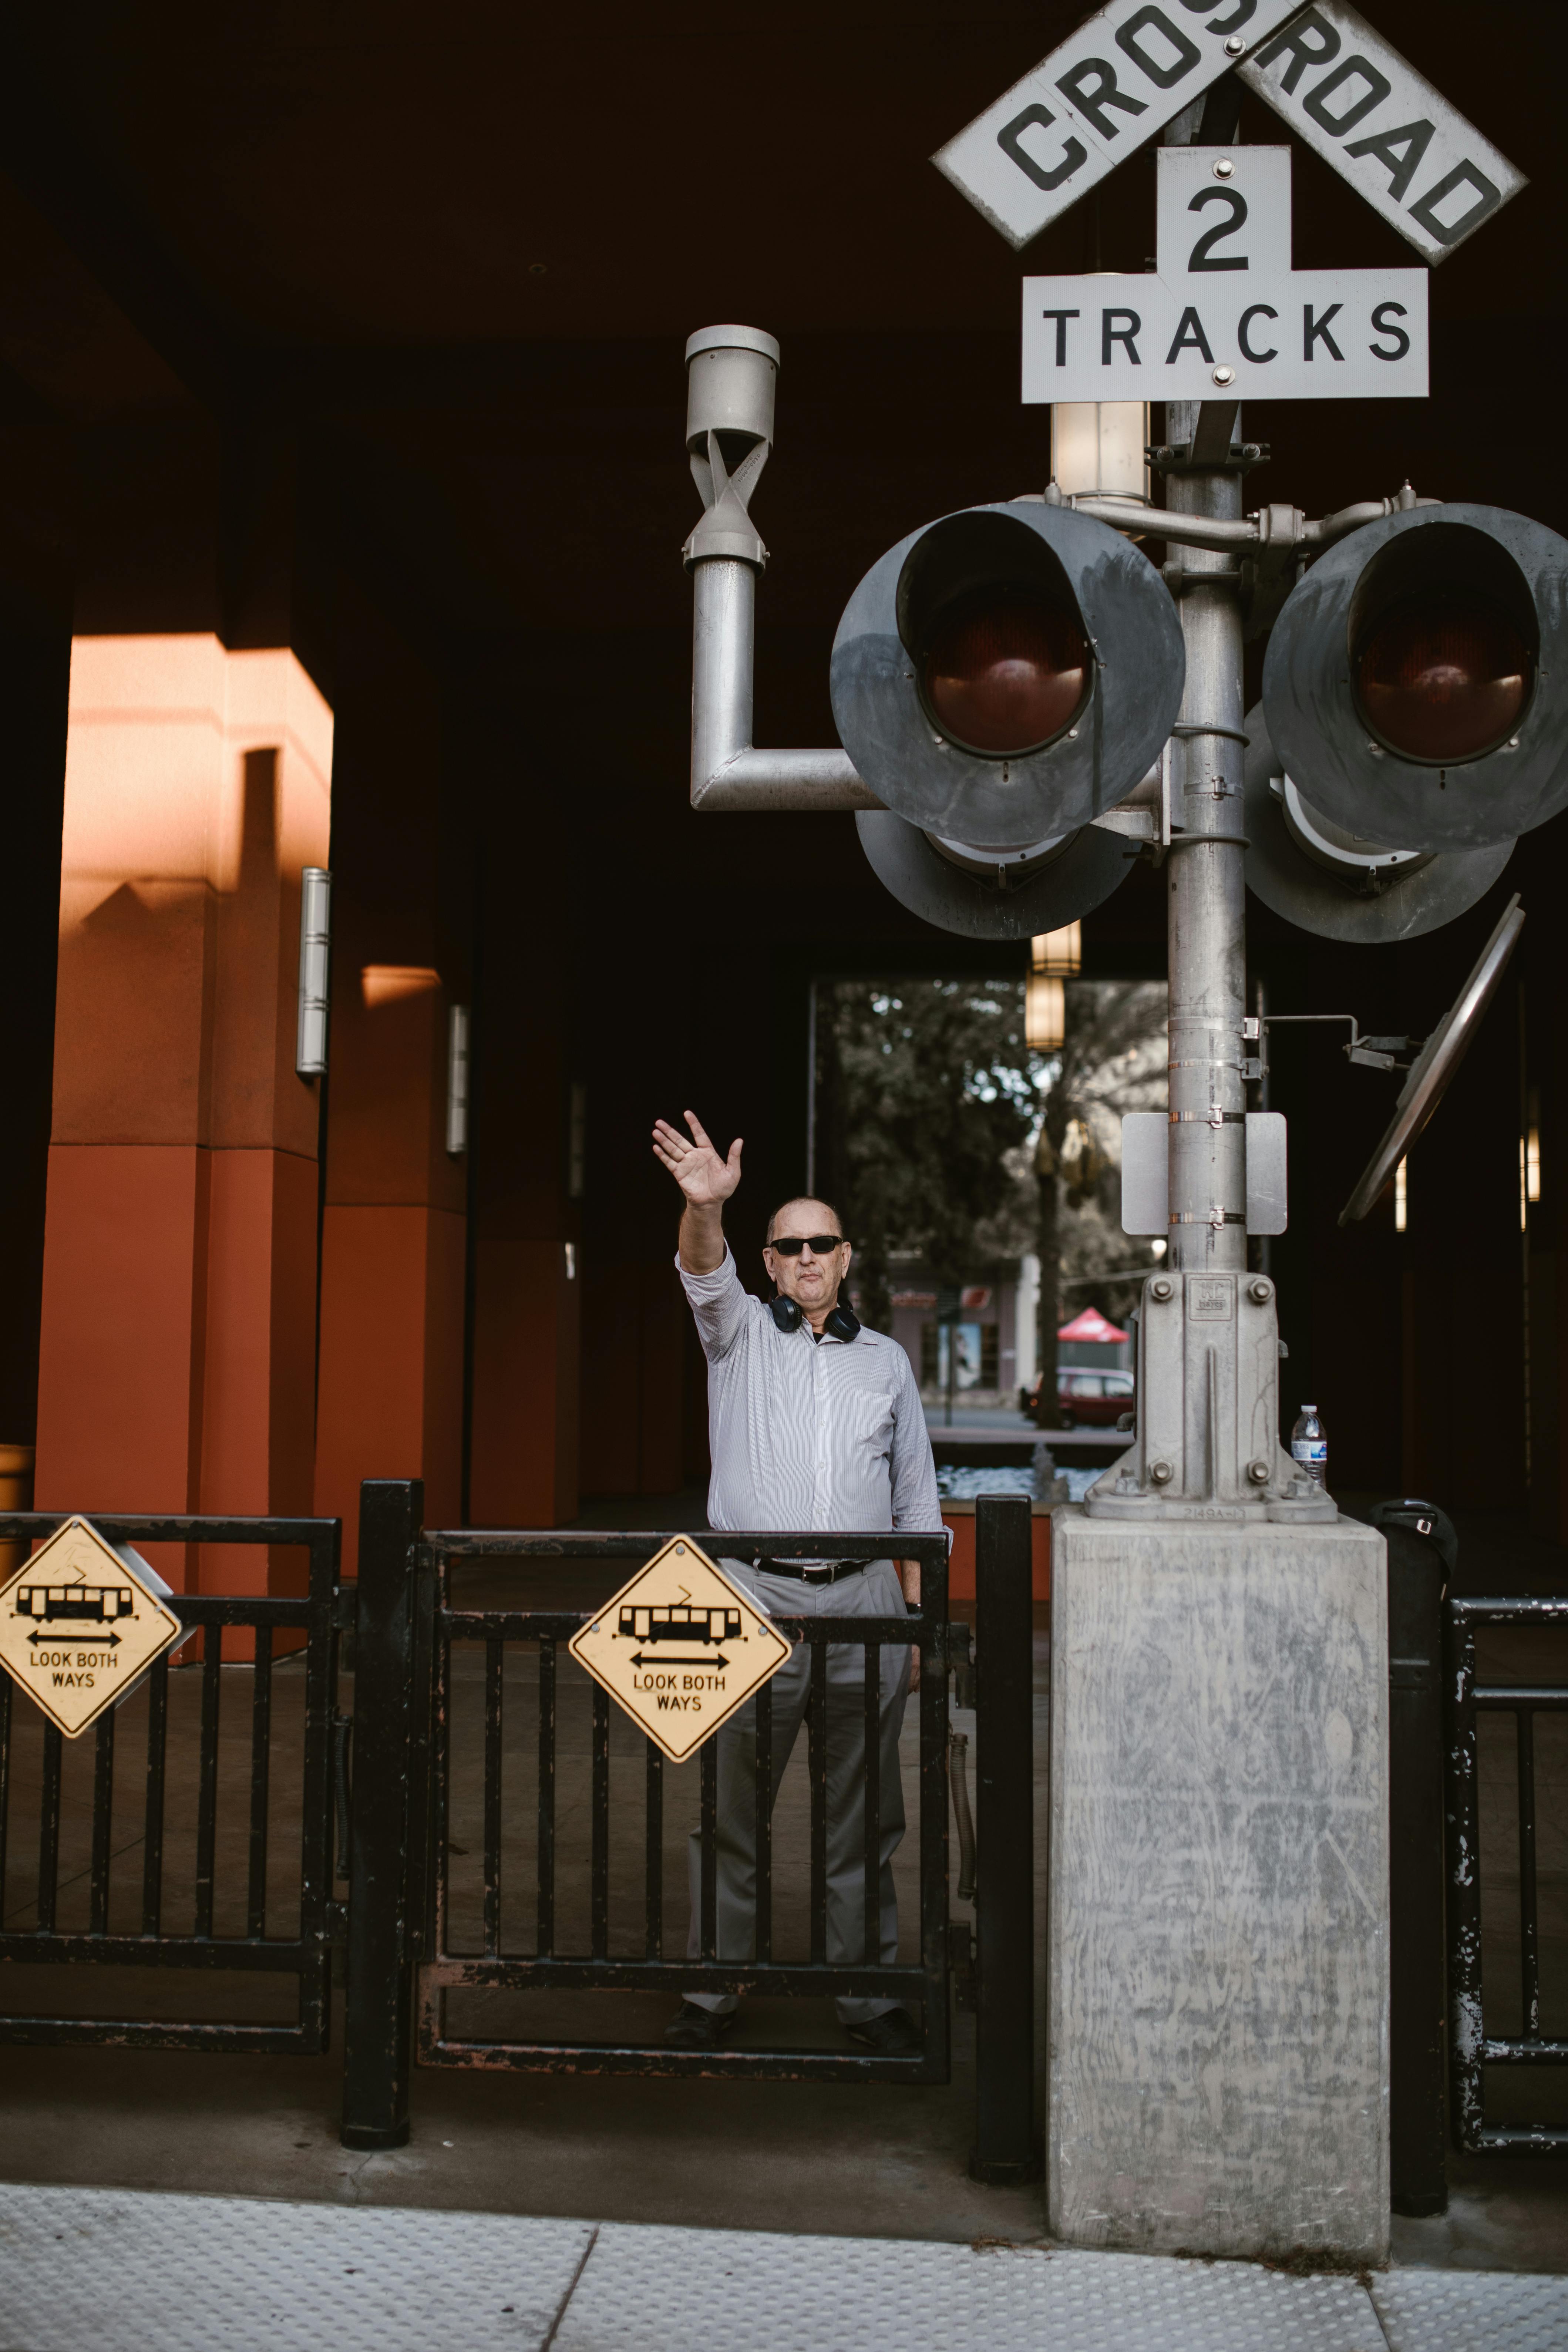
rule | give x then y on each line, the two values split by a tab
455	254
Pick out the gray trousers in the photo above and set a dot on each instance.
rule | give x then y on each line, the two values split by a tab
876	1592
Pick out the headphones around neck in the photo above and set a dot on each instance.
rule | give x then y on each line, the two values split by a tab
840	1325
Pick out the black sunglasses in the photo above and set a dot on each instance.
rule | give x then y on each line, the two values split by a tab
819	1244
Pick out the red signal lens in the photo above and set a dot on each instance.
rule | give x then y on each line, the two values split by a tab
1443	674
1006	669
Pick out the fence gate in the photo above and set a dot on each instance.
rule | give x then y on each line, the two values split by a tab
542	1837
1480	1864
172	1835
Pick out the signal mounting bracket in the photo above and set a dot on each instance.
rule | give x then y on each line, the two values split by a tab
1372	1053
1176	458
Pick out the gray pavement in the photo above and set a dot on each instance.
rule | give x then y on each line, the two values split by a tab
122	2271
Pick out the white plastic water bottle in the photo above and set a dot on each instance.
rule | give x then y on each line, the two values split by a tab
1310	1446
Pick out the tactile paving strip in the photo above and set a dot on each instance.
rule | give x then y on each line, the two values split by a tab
1472	2311
100	2270
97	2270
663	2290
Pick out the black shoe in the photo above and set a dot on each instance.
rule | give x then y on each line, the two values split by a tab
695	2028
894	2034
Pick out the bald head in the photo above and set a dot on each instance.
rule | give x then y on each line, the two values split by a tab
789	1217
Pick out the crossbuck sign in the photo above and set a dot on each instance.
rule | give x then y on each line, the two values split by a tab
1336	82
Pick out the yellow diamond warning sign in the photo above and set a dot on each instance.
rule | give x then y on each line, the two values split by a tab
680	1647
78	1622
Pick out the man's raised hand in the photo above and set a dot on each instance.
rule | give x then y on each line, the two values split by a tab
703	1176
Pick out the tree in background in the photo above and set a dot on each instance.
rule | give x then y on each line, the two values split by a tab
924	1089
1112	1061
942	1133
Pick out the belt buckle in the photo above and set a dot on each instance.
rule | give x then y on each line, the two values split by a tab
825	1573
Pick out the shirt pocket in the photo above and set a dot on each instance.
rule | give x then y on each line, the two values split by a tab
874	1419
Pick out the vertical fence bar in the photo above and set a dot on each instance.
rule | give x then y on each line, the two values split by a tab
1005	2145
325	1562
495	1658
260	1765
49	1832
102	1825
764	1706
546	1840
152	1828
1464	1878
935	1942
708	1844
1528	1920
4	1782
380	1974
599	1861
1418	2172
653	1866
871	1948
428	1605
207	1779
816	1766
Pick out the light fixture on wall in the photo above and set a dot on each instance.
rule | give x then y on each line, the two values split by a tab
1054	957
315	963
457	1080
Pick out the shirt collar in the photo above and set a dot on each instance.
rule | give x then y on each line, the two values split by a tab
832	1340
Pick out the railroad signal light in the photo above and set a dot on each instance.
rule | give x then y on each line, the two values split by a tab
1008	672
1414	688
1000	678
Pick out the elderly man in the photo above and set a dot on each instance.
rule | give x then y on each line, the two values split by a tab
813	1422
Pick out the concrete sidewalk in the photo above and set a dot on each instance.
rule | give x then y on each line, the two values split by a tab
85	2270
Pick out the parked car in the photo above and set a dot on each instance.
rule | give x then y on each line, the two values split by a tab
1097	1399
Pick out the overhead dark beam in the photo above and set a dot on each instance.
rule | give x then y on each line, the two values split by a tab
122	248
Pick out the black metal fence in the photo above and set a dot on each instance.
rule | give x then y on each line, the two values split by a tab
196	1830
505	1964
463	1935
1473	2045
102	1839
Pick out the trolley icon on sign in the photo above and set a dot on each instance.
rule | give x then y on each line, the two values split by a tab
680	1624
97	1604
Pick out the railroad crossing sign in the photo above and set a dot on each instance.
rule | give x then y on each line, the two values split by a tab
1111	84
1335	80
1350	94
1223	314
681	1648
79	1623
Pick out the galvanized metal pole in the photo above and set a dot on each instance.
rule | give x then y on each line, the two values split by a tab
1207	919
1006	2144
378	2003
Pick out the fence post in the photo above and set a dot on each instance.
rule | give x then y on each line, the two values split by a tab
1007	2144
1421	1548
379	1996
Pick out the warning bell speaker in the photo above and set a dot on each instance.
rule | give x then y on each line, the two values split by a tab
1340	884
993	894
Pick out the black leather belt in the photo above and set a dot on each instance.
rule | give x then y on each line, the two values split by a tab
825	1571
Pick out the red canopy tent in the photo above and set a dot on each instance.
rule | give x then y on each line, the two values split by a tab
1090	1328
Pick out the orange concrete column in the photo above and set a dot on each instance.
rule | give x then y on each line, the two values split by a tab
177	1350
390	1401
528	1284
395	1230
391	1367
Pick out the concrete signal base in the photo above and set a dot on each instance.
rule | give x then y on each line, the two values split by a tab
1218	1936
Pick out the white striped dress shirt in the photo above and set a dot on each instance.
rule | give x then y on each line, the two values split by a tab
807	1432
